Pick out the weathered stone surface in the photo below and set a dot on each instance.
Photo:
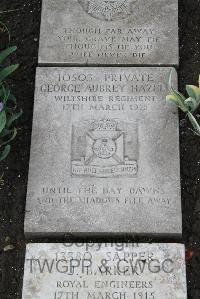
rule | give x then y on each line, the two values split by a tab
104	154
105	271
125	32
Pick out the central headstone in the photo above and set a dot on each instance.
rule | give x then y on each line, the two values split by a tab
105	271
104	154
98	32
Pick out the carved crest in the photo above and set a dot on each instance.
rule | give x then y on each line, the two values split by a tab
108	10
104	148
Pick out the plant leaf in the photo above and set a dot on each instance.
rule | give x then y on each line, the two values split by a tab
7	71
4	153
4	54
194	123
11	138
192	104
5	92
179	95
174	92
170	79
13	118
2	120
193	91
172	99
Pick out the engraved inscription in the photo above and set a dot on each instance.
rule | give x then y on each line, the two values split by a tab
108	10
109	32
106	158
105	271
104	148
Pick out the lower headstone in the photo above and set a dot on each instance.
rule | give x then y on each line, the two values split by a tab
104	153
105	271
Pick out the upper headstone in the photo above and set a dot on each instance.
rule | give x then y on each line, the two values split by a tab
104	154
105	271
98	32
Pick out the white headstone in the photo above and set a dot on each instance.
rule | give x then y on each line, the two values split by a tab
98	32
104	153
105	271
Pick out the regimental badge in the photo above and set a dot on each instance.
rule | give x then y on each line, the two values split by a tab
108	10
105	148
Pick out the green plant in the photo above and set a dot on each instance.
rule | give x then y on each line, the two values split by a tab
1	181
188	105
8	105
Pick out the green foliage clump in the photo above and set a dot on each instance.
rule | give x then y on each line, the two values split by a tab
188	104
8	105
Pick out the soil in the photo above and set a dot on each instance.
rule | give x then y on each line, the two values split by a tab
23	19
